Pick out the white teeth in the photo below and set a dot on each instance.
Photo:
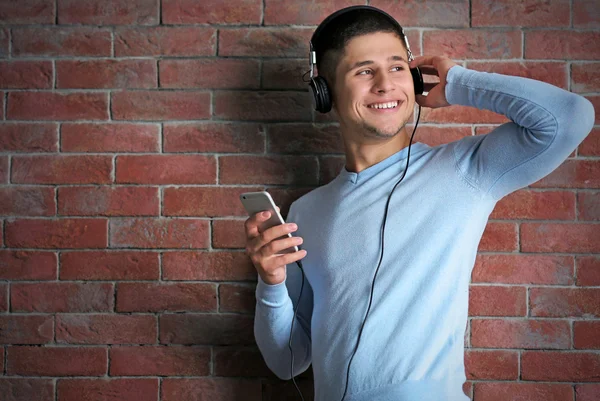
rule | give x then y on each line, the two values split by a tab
388	105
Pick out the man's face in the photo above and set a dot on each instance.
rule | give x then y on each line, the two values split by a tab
374	90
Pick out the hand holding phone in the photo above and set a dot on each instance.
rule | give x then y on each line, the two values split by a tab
269	242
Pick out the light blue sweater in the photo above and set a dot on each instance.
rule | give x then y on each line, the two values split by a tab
412	345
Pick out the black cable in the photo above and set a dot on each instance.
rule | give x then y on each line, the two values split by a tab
299	263
381	257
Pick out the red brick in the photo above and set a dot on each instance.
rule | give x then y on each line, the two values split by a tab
160	361
4	297
528	13
57	106
105	389
27	201
166	169
588	205
210	266
523	391
4	39
283	74
591	144
159	233
108	201
596	103
61	297
546	44
56	361
496	365
25	74
16	389
113	265
244	362
585	77
209	73
435	136
512	333
560	366
556	237
118	137
204	201
283	197
106	329
573	174
211	12
165	41
28	265
216	389
586	335
330	167
214	137
499	236
143	297
209	329
587	392
100	74
554	73
263	106
265	42
564	302
27	12
523	269
4	170
26	329
228	234
304	138
473	44
63	233
536	205
266	170
456	114
115	12
298	13
26	137
438	13
157	105
61	41
237	298
585	15
497	301
55	169
588	270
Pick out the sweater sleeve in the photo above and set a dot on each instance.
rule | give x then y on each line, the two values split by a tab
273	320
547	124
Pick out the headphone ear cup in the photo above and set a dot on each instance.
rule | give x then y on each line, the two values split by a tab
417	80
321	96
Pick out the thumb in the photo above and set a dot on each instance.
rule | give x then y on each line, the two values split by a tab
422	100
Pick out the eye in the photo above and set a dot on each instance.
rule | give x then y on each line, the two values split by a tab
364	72
397	68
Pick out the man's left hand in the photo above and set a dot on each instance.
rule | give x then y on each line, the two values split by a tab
433	65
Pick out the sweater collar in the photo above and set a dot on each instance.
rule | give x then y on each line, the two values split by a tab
371	171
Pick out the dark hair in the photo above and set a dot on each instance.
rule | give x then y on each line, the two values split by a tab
330	44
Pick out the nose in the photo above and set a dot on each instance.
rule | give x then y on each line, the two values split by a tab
383	83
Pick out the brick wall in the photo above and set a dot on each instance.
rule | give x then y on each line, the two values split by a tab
129	127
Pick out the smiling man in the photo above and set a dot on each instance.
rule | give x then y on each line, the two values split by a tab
390	243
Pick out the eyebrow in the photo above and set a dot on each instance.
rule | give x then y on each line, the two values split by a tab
367	62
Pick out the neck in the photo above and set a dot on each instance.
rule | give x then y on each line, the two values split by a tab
363	153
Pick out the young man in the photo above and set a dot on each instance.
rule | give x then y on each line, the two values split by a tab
412	343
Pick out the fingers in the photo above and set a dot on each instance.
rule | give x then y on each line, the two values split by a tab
422	60
429	70
270	234
253	222
274	247
289	258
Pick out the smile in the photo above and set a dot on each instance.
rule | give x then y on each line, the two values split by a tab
386	105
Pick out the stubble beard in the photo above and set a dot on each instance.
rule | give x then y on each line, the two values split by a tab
375	132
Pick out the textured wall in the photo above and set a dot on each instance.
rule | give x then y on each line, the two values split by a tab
129	127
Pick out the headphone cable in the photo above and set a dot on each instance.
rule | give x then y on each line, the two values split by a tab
299	263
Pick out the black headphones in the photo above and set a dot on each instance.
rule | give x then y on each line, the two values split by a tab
318	85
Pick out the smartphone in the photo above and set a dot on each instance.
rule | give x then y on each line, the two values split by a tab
255	202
